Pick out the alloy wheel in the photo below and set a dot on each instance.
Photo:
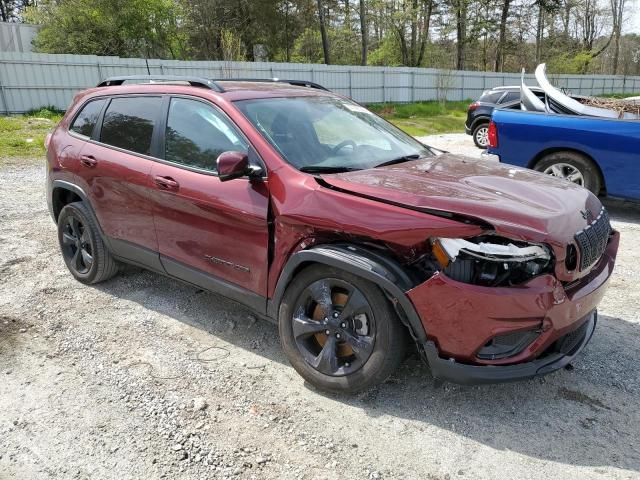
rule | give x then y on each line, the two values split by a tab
567	172
334	327
76	245
482	136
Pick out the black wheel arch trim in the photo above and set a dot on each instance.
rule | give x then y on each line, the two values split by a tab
478	121
360	261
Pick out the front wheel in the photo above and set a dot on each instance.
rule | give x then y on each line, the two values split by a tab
481	135
339	331
573	167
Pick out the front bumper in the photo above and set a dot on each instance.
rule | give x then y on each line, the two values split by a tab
460	319
480	374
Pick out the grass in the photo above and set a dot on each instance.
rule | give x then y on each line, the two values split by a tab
424	118
22	136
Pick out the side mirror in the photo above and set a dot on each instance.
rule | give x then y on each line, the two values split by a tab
232	165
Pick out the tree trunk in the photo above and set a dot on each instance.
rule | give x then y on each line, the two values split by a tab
414	33
617	8
539	33
428	6
3	12
323	33
461	32
363	31
503	33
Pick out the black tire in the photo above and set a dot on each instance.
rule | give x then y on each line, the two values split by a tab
592	180
480	133
80	240
384	342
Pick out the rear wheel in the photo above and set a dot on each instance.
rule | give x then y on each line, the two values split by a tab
573	167
481	135
339	331
83	250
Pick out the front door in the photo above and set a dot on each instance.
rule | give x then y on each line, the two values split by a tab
211	233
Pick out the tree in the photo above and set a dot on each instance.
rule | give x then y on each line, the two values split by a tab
323	33
139	28
363	32
617	9
503	34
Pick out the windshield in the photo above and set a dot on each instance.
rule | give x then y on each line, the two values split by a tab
321	133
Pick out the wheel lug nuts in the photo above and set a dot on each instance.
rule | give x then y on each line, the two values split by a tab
338	335
326	319
343	325
336	314
327	332
347	364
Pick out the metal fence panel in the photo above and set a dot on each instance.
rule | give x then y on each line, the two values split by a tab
30	81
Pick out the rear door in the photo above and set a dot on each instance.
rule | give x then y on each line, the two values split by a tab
211	233
114	171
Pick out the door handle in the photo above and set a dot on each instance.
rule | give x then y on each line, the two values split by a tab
88	161
166	183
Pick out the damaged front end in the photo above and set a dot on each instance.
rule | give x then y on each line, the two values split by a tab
491	260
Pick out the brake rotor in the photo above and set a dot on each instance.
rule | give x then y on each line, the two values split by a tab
338	299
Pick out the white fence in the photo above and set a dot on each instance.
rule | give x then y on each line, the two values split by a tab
17	37
29	81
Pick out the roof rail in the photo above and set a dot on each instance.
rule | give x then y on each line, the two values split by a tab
297	83
193	81
202	82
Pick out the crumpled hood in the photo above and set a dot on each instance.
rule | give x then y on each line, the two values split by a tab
519	203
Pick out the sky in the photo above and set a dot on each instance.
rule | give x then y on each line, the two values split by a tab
632	22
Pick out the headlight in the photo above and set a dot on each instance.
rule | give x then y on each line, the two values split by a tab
491	260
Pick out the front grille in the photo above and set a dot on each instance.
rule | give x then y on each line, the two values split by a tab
592	241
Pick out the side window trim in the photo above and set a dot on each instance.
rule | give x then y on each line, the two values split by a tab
97	128
160	158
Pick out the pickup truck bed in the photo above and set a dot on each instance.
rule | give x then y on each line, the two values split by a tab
605	151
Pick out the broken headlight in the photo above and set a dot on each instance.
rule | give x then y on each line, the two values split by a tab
491	260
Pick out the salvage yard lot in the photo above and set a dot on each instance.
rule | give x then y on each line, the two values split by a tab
143	378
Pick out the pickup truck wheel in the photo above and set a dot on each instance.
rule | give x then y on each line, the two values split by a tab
481	135
83	250
339	331
573	167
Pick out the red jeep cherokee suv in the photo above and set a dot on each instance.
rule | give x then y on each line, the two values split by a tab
322	217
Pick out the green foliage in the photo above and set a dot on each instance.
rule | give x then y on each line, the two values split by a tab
49	112
388	52
142	28
570	63
308	47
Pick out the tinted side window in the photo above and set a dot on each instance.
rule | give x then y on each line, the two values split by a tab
87	118
490	96
511	97
128	123
197	134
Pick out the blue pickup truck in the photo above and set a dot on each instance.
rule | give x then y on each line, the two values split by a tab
600	154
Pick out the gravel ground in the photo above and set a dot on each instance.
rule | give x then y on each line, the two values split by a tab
145	378
459	143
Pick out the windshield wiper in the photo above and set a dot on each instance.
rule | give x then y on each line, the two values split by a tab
326	169
405	158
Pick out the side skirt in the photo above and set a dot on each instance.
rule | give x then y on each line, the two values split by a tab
128	252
